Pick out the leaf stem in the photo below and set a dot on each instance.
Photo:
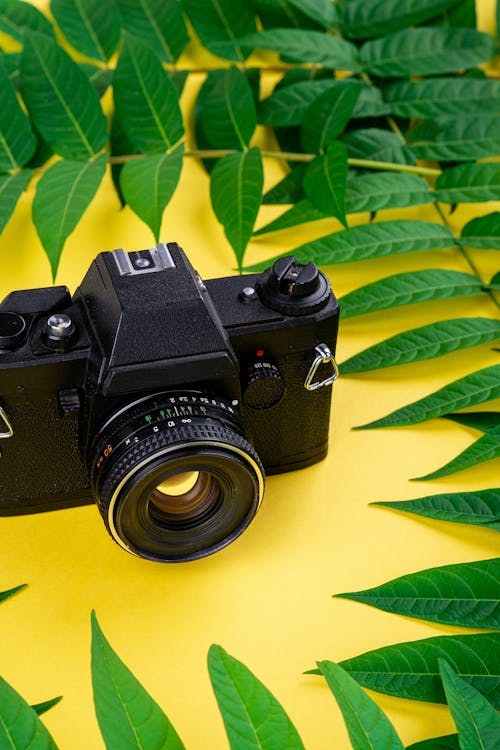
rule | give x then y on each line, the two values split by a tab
467	257
291	156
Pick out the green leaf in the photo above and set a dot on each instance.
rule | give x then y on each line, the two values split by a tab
10	592
20	727
301	213
377	145
235	191
61	100
12	187
220	23
367	725
469	183
477	722
306	46
410	670
426	51
447	742
483	232
371	241
482	385
484	449
16	17
409	288
327	117
384	190
158	23
92	27
436	97
480	508
289	189
17	142
367	192
425	342
282	14
368	18
146	100
289	105
226	109
477	420
467	595
148	184
100	78
253	718
460	138
325	181
42	708
128	717
120	146
324	12
62	195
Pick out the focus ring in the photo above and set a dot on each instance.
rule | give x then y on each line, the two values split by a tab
180	435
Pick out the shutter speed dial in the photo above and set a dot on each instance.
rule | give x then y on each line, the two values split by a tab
264	385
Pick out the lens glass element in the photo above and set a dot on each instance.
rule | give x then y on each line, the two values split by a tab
184	496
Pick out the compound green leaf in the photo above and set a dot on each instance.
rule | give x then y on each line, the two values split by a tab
62	195
367	725
484	449
483	232
220	24
20	727
426	51
467	595
235	191
253	718
225	110
61	100
12	187
17	142
477	420
149	183
128	717
409	288
377	145
425	342
372	241
367	192
480	508
92	27
158	23
411	670
476	388
435	97
368	18
325	181
17	16
469	183
446	742
146	100
42	708
306	46
477	721
460	138
327	116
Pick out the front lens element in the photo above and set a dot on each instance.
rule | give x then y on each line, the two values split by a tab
184	497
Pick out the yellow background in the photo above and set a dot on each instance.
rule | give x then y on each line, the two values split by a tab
267	597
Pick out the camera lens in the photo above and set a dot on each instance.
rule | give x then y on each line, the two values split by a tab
175	477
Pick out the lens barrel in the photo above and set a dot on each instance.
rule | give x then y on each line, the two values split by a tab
174	476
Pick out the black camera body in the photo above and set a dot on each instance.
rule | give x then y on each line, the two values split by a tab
162	397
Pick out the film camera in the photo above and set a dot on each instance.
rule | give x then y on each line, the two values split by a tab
163	397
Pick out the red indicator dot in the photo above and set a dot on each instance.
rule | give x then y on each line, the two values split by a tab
260	352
